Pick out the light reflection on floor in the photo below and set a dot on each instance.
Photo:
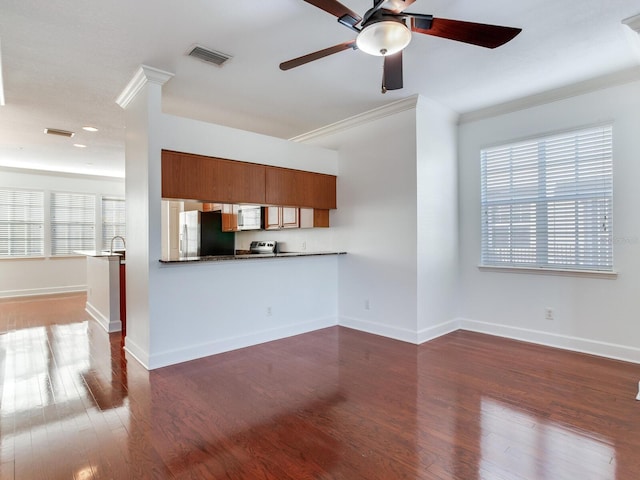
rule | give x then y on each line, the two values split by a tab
513	440
30	379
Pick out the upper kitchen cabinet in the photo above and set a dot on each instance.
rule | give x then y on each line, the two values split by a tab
211	179
276	218
299	188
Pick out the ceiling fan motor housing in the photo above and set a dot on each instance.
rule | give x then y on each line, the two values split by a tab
383	35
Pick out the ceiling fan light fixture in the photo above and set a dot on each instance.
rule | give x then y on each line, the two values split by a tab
385	37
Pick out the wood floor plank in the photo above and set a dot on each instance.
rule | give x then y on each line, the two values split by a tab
331	404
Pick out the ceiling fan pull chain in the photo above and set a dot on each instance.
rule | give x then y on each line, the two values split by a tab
383	88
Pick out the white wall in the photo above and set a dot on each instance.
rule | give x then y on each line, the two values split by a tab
591	314
181	312
397	177
376	224
437	219
138	116
39	276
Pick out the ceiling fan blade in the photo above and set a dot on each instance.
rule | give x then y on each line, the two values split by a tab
392	76
310	57
335	8
489	36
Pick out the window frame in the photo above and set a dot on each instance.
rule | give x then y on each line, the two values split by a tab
91	198
538	220
119	228
41	222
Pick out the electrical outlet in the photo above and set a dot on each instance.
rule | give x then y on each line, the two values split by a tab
367	306
268	311
548	313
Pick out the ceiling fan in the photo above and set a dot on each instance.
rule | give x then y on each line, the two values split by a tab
385	30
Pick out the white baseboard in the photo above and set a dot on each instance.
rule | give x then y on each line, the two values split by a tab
109	325
137	352
172	357
436	331
566	342
33	292
403	334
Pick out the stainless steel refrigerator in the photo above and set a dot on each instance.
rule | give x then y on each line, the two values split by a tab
201	235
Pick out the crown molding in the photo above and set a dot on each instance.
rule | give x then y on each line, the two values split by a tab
633	23
613	79
60	173
143	75
360	119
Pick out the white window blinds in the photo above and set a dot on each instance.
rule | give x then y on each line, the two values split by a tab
113	221
547	202
72	222
21	223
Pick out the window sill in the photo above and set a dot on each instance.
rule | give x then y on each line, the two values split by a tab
44	257
550	271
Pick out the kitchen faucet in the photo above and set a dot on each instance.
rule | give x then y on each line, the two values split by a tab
124	244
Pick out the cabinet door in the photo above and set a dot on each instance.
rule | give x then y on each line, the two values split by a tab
290	217
298	188
229	217
209	179
314	218
272	218
240	182
188	177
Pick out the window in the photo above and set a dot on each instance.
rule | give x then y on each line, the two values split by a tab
72	222
21	223
547	202
113	220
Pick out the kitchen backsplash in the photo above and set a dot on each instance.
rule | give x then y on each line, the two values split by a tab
291	240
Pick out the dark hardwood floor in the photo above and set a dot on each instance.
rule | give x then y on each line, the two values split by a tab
332	404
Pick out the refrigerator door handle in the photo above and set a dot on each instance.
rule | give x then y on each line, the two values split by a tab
184	241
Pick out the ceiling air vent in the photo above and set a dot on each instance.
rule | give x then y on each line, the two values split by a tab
208	55
60	133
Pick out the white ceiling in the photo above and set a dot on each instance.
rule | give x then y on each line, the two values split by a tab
64	62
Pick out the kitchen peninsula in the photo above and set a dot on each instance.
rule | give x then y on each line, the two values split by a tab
248	256
105	288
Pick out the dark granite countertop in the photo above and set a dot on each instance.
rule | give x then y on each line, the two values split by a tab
248	256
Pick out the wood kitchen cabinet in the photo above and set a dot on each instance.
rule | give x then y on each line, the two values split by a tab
314	218
276	218
210	179
289	187
229	217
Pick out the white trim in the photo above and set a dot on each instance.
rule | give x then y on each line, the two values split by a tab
360	119
431	333
566	342
550	271
110	326
143	75
34	292
136	352
171	357
56	173
633	23
613	79
402	334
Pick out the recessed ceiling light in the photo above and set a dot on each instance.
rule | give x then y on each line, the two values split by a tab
90	129
79	145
